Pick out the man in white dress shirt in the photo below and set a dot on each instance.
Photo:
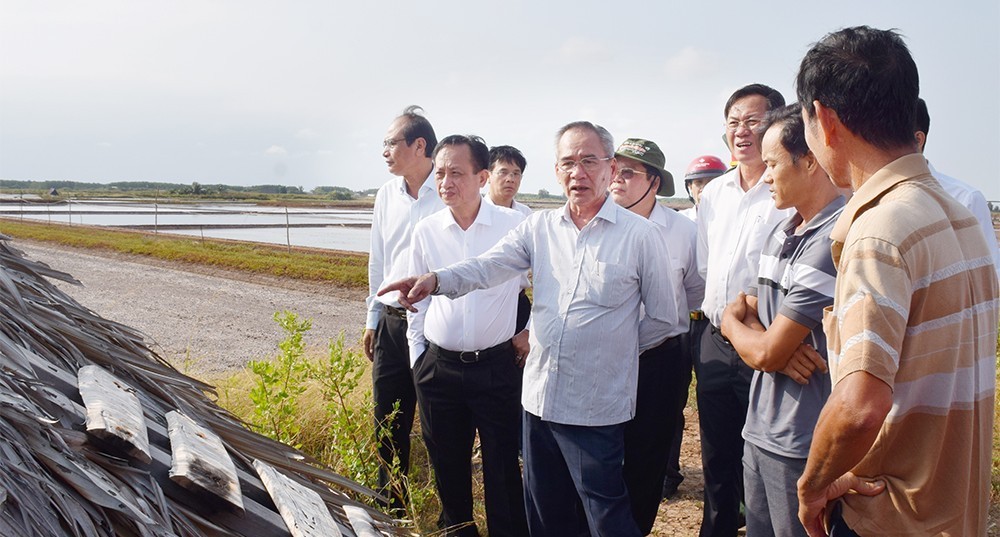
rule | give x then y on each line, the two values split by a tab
399	205
664	370
594	264
966	194
464	364
735	216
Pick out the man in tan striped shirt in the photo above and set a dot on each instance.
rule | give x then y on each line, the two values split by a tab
913	329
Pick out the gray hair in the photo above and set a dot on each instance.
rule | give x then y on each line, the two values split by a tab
607	141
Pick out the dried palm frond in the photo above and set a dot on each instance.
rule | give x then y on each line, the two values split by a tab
57	480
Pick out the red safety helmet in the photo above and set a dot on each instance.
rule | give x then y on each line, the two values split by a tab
703	167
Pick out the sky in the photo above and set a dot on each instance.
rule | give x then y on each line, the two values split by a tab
301	93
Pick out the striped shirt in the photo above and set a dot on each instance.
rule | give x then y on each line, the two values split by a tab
796	280
916	306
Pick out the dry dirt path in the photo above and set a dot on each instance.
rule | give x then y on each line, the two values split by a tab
201	320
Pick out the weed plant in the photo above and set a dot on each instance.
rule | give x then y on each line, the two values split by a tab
324	407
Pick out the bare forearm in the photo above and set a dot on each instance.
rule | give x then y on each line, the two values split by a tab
846	429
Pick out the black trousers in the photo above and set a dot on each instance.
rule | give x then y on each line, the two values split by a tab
648	436
723	393
692	349
392	382
457	397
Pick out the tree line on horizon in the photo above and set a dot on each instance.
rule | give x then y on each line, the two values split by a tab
339	193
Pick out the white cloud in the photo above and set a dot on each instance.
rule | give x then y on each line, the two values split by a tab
326	152
691	63
104	145
276	151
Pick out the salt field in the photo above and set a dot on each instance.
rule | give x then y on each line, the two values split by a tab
339	229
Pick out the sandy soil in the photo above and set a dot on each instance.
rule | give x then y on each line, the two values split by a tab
202	320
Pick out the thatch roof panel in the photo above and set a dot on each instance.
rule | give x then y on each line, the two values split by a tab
57	480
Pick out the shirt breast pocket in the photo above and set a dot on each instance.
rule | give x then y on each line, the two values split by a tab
609	284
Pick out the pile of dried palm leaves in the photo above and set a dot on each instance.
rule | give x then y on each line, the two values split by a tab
56	478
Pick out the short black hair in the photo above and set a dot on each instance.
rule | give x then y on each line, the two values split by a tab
773	96
507	153
868	77
417	126
922	118
477	147
793	130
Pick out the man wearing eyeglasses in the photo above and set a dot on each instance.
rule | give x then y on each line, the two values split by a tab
399	205
734	218
665	370
594	264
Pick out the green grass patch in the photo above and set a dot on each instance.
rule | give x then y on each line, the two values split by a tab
344	269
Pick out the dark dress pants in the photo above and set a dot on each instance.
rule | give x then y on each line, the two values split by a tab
692	349
456	399
649	434
392	381
723	393
573	484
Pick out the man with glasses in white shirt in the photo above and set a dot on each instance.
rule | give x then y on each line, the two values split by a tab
465	365
594	264
399	205
734	218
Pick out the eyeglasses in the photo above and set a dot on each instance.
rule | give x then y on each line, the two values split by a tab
589	164
628	173
503	174
751	123
389	144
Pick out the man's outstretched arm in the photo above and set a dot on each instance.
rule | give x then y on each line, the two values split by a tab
412	289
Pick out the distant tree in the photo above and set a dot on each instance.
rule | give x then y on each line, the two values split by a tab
196	188
542	193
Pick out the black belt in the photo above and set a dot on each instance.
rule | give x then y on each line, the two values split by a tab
470	357
718	332
396	312
666	345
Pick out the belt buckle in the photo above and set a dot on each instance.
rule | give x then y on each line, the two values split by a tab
475	355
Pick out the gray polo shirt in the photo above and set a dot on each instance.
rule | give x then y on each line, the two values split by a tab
796	279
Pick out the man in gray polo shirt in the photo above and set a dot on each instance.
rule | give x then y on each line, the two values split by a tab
777	329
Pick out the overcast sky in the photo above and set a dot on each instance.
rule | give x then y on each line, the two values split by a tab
301	93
